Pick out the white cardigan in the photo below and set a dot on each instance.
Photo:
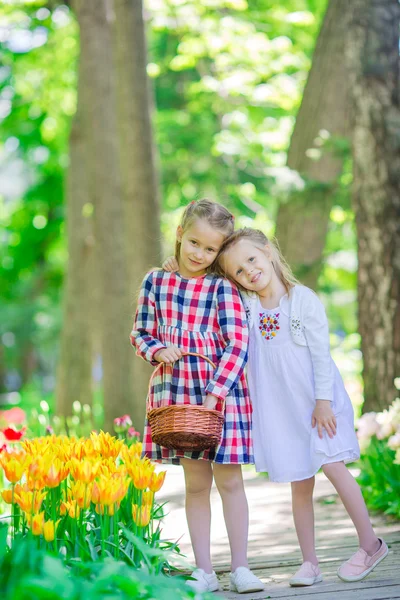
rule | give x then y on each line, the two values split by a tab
309	327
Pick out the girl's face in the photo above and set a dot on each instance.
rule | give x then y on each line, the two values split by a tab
200	244
249	266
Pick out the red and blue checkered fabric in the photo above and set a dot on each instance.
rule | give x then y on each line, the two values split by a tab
203	315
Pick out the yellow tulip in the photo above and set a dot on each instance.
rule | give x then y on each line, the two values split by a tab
49	530
100	509
141	515
133	451
29	501
85	470
108	490
147	498
71	508
157	481
36	523
107	445
142	476
14	465
82	493
54	473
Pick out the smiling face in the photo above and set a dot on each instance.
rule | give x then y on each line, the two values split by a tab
200	244
249	265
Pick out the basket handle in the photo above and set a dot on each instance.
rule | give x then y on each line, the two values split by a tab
158	367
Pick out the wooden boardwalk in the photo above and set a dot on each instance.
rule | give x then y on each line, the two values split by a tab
273	552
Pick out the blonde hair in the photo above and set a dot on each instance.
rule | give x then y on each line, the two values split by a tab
216	215
260	240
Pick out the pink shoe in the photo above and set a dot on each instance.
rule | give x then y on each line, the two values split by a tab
308	574
360	564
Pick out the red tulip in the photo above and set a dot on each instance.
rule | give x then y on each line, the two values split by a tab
12	435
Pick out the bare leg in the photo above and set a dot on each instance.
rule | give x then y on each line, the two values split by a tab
303	516
351	496
229	481
198	481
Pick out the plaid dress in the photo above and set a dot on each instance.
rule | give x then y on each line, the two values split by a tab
203	315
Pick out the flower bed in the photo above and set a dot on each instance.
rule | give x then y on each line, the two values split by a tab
82	496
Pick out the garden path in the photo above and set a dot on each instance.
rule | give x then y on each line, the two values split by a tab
273	551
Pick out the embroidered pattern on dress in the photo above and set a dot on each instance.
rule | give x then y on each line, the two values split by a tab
295	326
268	324
248	313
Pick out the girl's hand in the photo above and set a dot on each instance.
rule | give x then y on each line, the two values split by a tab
210	401
323	417
170	264
168	355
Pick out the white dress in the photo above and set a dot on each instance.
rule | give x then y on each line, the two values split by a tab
281	383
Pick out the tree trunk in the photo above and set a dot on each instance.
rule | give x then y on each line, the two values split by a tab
94	18
74	373
373	60
138	164
302	221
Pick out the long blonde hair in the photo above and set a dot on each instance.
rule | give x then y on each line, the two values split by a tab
216	215
260	240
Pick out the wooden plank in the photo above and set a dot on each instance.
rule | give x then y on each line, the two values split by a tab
384	592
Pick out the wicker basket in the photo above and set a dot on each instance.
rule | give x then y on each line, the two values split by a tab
187	427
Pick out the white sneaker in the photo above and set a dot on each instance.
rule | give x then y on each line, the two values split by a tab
203	582
243	580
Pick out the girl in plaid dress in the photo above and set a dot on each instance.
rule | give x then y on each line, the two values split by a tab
194	311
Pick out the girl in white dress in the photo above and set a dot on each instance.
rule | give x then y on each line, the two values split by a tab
302	414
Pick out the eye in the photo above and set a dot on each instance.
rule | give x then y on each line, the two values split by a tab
193	242
210	250
238	272
252	259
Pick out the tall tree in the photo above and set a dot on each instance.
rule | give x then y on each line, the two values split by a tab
74	373
139	179
100	127
302	221
373	60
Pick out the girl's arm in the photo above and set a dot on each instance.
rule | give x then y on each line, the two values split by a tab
232	321
316	331
144	332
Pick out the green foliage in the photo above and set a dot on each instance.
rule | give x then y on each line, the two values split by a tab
228	77
27	573
380	478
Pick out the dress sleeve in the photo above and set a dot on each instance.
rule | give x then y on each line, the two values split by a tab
316	332
232	321
144	332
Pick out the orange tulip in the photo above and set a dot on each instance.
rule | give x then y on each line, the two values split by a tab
141	515
157	481
7	494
